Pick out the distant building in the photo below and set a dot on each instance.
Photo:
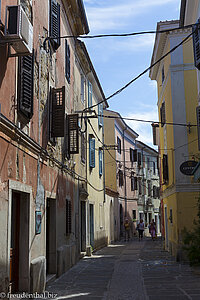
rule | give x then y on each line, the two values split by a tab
148	186
131	176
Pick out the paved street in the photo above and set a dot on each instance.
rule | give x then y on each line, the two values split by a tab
133	270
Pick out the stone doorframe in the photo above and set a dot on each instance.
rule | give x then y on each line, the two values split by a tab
21	188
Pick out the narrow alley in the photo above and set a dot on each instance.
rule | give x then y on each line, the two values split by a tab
132	270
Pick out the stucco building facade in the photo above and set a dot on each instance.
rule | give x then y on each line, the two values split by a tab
45	181
177	101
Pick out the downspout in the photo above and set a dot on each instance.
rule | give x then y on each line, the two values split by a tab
39	129
125	192
104	184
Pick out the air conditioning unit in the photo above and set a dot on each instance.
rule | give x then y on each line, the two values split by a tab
18	30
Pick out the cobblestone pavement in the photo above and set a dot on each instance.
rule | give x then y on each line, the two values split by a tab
133	270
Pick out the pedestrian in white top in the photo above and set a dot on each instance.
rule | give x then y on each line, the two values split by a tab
140	228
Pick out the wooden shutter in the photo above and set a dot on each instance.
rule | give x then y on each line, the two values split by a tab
158	192
196	46
83	154
118	145
68	217
134	155
67	61
25	85
165	168
139	159
54	24
58	112
198	124
92	152
89	94
135	183
154	191
100	162
162	114
73	130
140	187
132	182
121	180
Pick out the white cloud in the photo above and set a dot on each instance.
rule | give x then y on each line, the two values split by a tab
142	128
114	17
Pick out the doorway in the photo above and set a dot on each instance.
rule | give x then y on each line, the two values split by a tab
83	226
121	221
166	228
19	246
92	225
51	236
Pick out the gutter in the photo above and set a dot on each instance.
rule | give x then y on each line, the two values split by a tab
182	12
83	16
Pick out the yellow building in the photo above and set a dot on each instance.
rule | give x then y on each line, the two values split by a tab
177	100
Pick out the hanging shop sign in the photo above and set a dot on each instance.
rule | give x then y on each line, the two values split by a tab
187	167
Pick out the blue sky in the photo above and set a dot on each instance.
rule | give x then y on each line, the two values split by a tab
118	60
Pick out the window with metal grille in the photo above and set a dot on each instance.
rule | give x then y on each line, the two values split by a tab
121	178
91	151
57	112
67	61
68	217
83	141
162	114
54	24
25	85
119	145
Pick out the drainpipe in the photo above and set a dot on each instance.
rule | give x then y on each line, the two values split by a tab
104	184
125	192
39	129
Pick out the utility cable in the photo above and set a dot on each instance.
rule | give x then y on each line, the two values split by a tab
140	120
141	74
117	34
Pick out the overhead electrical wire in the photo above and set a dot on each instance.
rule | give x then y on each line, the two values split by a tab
119	34
141	74
139	120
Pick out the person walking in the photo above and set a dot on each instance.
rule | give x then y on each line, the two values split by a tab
127	229
140	228
152	229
